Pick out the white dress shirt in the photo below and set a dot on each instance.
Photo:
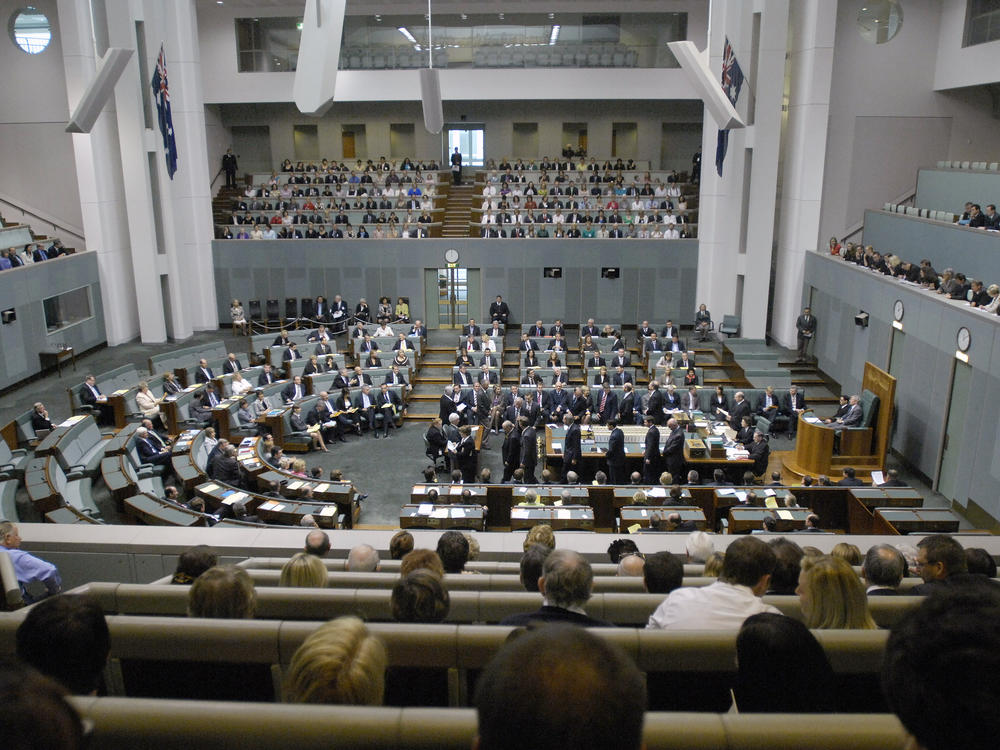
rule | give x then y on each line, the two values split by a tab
719	606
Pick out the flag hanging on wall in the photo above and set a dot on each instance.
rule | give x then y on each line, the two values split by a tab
161	95
732	83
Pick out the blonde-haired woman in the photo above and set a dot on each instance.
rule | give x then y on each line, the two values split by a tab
238	315
832	596
303	571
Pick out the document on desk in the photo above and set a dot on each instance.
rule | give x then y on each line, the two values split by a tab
768	492
556	447
740	495
519	513
328	510
813	420
456	489
440	512
726	491
786	515
634	528
564	513
770	502
425	509
878	478
656	492
458	512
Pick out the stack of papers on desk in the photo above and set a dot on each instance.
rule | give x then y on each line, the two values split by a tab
656	492
424	509
786	515
519	513
329	510
458	512
564	513
813	420
441	512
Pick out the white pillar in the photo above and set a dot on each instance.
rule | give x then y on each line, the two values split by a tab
813	24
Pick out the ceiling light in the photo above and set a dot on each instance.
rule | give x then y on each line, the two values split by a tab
501	16
551	16
406	32
464	17
554	36
378	18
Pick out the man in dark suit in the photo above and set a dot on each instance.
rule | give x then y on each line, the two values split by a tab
364	402
850	479
341	380
627	407
447	404
759	451
565	598
651	452
669	331
496	329
516	409
671	398
805	325
462	377
596	361
605	404
767	404
621	358
418	329
204	373
654	405
739	409
322	349
572	450
511	449
558	329
616	453
620	377
500	311
852	417
477	403
673	449
231	365
590	329
559	401
339	314
690	402
842	408
294	391
471	329
793	403
537	330
387	407
883	569
527	344
90	395
539	403
529	449
149	452
645	331
292	353
321	309
892	479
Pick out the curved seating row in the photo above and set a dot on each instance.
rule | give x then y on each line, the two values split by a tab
124	723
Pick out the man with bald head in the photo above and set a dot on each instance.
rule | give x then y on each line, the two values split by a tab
566	584
630	566
362	559
317	543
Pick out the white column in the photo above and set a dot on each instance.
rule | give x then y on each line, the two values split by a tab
813	24
99	175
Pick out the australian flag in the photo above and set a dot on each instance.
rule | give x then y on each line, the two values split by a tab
732	82
161	95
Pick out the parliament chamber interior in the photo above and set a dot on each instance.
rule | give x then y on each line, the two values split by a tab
676	323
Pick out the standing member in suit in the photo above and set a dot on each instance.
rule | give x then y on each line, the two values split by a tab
805	324
529	450
477	403
651	452
606	404
654	406
627	412
571	446
740	409
759	451
511	450
673	449
204	373
616	454
339	314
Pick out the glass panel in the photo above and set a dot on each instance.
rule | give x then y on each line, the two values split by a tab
67	309
31	30
983	22
469	144
267	45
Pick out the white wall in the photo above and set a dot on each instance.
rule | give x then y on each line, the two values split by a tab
39	171
915	126
958	66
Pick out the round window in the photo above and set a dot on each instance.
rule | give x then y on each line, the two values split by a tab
879	20
30	29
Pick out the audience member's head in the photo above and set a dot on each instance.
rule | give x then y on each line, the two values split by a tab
662	573
620	547
193	562
883	566
453	549
631	565
940	556
532	562
698	546
540	534
748	562
832	596
473	546
567	579
782	668
400	544
848	552
713	565
317	543
363	558
939	673
421	558
36	715
788	559
565	689
66	638
303	571
420	597
981	562
224	591
341	662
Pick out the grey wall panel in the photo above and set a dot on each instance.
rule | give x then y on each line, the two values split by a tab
949	189
567	306
554	295
23	291
930	324
342	263
585	307
973	251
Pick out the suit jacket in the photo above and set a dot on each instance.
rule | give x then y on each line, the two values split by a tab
472	330
322	349
231	366
610	405
737	412
421	331
291	354
203	375
147	450
689	403
853	416
651	450
589	331
87	396
673	449
478	404
788	404
759	452
389	397
806	325
626	410
621	378
532	402
462	379
536	331
597	361
762	407
511	449
288	392
395	379
571	446
559	401
616	447
499	311
554	614
850	482
436	439
671	401
624	361
654	406
529	449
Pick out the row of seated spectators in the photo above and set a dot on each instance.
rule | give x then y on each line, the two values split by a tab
624	230
974	216
387	231
948	283
369	165
33	252
341	179
570	160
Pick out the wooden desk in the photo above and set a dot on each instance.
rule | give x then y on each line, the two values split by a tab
550	493
564	518
55	357
418	493
895	497
271	510
920	520
427	516
743	520
152	511
641	515
813	447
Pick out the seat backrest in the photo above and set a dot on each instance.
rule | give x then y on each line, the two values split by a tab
12	598
869	407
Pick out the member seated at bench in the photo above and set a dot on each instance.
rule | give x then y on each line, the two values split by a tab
150	452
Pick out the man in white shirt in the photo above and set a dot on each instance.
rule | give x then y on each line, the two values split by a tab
724	605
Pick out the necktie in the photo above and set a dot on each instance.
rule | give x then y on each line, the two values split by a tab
604	400
475	400
539	400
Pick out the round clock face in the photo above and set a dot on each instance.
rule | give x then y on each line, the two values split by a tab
451	255
897	309
964	339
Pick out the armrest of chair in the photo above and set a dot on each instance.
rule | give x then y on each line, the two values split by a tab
145	471
76	472
19	453
5	475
